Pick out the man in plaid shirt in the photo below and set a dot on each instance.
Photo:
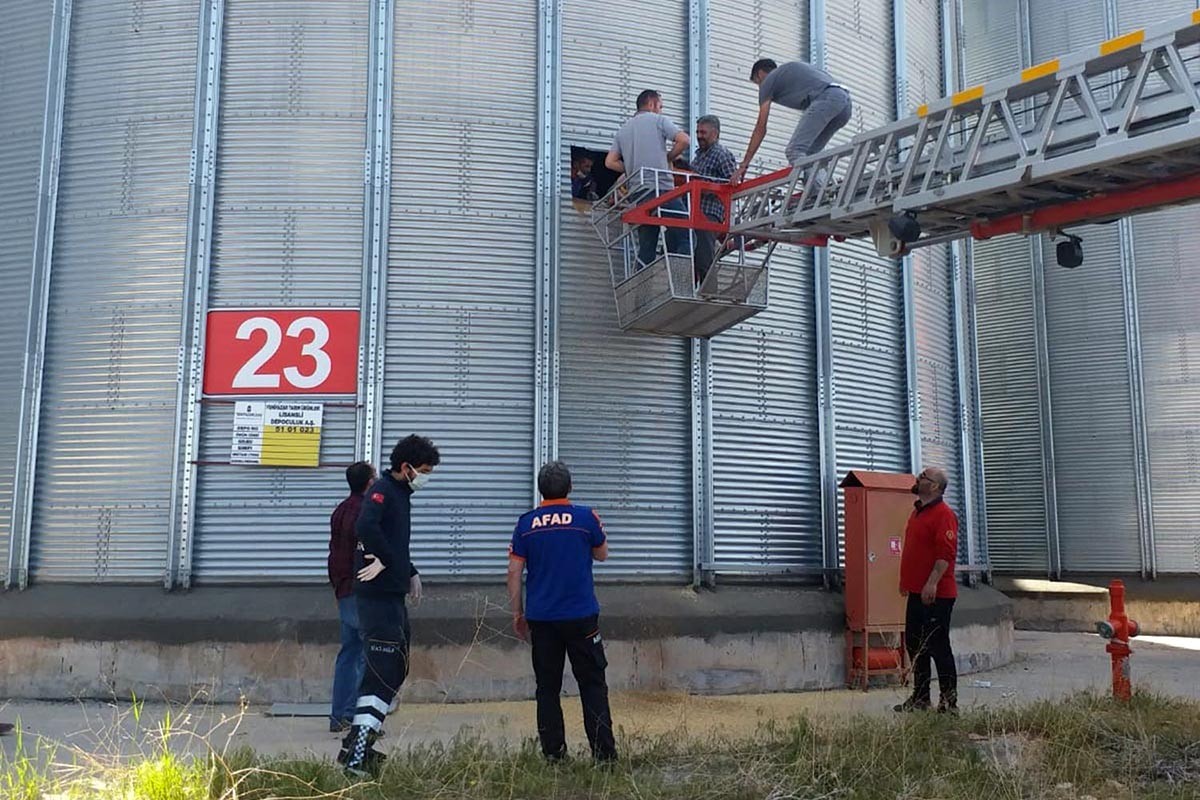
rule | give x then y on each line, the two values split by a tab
713	161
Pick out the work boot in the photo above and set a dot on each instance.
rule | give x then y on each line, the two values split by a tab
912	704
948	704
357	757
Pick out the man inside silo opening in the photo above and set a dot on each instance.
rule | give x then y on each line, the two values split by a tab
385	576
927	579
641	143
803	87
556	544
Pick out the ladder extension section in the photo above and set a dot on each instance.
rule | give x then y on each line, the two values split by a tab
1107	132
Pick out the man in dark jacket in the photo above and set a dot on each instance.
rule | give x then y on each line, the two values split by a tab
348	669
385	575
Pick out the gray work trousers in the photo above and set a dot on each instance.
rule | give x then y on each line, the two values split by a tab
825	116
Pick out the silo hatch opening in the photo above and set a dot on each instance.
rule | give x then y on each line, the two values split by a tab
674	271
590	178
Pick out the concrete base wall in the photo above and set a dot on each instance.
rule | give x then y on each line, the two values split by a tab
1166	607
733	640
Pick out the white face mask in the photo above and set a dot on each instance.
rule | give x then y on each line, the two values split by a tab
418	479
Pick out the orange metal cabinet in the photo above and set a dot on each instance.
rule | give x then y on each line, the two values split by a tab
878	505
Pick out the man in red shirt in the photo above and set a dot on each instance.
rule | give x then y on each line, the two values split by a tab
351	660
927	578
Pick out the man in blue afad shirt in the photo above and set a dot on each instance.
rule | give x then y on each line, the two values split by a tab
557	543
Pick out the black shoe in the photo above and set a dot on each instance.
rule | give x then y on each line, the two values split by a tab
357	757
911	704
947	707
339	725
6	728
605	759
556	756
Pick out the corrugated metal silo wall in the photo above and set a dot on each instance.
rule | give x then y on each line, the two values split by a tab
461	317
933	281
867	305
460	323
1089	392
24	43
1089	375
108	401
766	461
1168	283
1008	365
624	402
287	232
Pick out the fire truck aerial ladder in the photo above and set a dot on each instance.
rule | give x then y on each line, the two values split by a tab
1104	133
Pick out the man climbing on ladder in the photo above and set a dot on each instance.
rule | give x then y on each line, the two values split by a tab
799	85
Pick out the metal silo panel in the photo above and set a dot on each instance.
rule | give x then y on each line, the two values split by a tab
939	406
922	54
1089	372
1093	420
461	321
867	305
108	406
764	372
287	232
624	401
24	43
289	200
1133	14
1060	27
263	524
991	39
1006	353
1168	283
1008	388
937	384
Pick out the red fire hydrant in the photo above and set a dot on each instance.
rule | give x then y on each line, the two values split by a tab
1118	629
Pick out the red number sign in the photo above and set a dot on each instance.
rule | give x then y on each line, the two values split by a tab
281	351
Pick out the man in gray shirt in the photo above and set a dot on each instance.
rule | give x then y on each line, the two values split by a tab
805	88
642	143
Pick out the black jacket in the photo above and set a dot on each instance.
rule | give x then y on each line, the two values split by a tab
384	528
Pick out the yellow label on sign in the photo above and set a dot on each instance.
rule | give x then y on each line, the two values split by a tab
290	446
277	433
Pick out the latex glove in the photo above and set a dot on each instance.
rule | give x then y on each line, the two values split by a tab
414	589
371	570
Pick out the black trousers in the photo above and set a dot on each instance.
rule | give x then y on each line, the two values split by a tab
706	252
579	640
383	622
927	635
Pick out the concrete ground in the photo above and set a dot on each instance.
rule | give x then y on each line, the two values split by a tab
1048	665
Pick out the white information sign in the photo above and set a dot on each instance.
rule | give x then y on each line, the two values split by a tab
276	433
